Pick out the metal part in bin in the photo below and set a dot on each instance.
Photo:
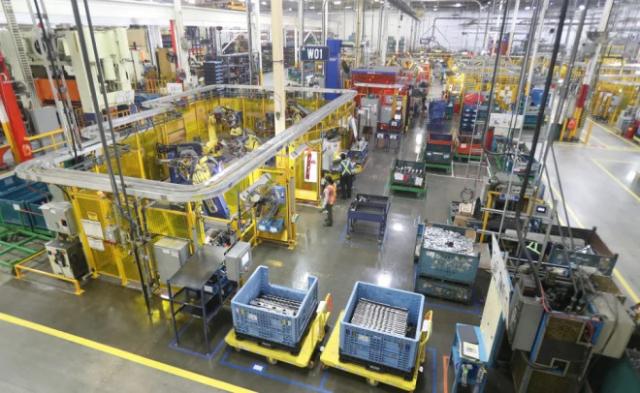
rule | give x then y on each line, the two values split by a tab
456	267
391	352
380	317
269	325
444	290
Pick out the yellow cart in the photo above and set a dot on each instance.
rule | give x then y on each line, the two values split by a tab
304	358
331	358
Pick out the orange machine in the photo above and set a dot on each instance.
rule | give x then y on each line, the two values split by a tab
43	89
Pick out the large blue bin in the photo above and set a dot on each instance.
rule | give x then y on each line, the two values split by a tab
450	266
19	201
375	348
267	325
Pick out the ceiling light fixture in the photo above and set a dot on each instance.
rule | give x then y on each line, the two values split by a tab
457	5
582	7
338	2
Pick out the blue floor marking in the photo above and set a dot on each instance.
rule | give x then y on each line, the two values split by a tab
461	309
173	344
274	377
323	381
434	370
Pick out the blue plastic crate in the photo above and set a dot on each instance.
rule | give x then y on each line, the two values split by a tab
378	348
265	324
17	198
449	266
36	216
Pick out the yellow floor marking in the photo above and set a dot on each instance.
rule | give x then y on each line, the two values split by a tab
614	178
617	160
616	273
601	142
575	145
608	129
626	286
178	372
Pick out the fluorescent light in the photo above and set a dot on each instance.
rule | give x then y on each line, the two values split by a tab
313	7
457	5
347	7
582	7
337	2
527	8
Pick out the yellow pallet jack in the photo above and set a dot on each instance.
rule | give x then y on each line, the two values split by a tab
331	358
304	358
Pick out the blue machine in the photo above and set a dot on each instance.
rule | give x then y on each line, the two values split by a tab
469	359
332	72
179	174
268	222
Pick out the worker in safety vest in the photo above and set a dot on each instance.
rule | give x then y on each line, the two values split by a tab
347	172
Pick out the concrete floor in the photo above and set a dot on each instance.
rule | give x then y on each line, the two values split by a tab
112	315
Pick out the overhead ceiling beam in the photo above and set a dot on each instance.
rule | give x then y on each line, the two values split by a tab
404	7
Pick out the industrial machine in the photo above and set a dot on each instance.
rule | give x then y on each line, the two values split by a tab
114	60
65	253
189	165
170	254
177	175
554	338
67	258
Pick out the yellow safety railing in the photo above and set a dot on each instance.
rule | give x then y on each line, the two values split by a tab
21	270
51	137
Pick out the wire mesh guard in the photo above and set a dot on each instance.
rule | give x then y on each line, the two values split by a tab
277	304
381	317
443	240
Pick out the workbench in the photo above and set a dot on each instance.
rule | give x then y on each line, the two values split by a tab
372	208
198	290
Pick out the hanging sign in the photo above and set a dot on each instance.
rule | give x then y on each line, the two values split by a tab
314	53
310	166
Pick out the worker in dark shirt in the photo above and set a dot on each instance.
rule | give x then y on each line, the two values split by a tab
347	171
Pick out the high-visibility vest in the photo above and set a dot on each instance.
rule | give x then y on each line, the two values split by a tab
346	167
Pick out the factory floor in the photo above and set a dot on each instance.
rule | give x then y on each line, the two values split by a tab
103	341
